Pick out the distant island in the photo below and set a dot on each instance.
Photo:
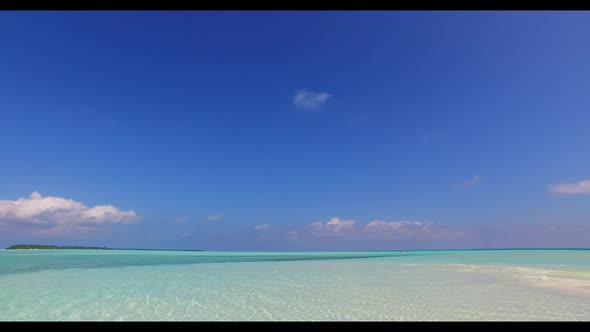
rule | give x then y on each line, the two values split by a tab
45	246
42	246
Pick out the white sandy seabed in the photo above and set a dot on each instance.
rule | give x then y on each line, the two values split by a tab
353	290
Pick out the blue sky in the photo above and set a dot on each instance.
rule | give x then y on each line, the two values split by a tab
295	130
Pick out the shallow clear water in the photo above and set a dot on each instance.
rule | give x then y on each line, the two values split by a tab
185	285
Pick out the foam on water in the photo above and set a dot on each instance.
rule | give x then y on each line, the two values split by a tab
291	286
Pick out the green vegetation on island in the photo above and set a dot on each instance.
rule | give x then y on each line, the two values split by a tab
42	246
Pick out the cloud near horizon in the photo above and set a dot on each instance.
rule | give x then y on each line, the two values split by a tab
472	181
56	215
214	217
376	230
412	229
182	220
263	227
334	225
310	100
581	187
387	229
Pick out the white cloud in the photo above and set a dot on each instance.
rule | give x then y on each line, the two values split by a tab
60	215
395	227
411	229
383	230
182	219
263	227
582	187
214	217
309	99
472	181
334	225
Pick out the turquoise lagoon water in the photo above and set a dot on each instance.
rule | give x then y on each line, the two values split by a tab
274	286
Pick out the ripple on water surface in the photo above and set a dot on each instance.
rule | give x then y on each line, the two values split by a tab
378	288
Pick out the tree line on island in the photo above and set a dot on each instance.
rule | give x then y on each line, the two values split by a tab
43	246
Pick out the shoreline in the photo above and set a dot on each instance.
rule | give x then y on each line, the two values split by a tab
566	280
